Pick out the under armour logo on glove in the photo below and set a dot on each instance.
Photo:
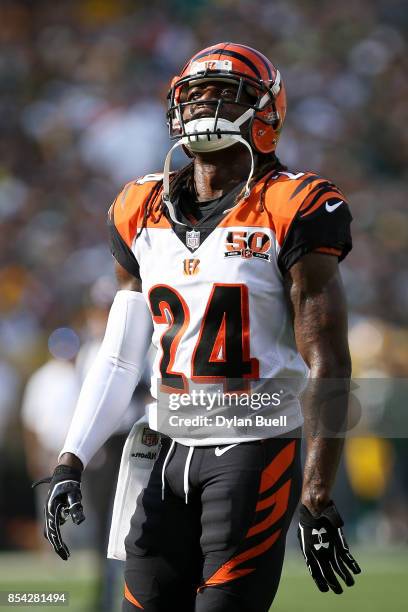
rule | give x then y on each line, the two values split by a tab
63	500
319	532
325	549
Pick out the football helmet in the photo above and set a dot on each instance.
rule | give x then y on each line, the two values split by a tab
259	124
251	71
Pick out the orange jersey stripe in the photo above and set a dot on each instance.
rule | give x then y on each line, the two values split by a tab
127	210
247	213
284	197
328	251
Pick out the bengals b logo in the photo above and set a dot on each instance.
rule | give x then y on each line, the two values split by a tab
190	266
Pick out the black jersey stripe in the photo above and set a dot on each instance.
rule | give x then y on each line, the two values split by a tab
318	191
304	183
238	56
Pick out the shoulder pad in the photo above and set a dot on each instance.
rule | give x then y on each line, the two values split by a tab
288	194
150	178
127	211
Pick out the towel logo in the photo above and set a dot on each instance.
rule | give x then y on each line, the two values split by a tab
150	437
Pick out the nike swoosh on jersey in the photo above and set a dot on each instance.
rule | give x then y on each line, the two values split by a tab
220	451
331	207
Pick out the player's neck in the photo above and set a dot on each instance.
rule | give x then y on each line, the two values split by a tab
216	173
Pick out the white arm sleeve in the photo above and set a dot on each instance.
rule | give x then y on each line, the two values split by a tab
112	378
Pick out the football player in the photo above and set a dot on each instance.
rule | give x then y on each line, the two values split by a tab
230	267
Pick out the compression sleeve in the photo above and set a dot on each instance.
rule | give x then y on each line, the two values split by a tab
112	378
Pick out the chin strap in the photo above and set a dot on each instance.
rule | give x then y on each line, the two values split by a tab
166	184
166	174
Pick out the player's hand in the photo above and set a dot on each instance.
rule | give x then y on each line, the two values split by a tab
325	549
63	500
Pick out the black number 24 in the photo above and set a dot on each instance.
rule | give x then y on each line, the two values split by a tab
222	348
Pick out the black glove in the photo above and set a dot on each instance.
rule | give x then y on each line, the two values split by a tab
63	500
325	548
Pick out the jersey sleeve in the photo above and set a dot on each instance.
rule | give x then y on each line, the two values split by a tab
121	232
320	224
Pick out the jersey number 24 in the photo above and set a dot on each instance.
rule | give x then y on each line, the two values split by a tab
222	348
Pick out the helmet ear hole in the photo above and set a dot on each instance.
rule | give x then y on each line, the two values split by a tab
263	137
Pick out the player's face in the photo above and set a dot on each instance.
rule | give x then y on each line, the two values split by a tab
204	96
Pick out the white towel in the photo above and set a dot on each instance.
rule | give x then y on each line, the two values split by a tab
139	454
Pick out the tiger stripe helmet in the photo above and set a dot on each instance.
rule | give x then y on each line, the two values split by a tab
260	122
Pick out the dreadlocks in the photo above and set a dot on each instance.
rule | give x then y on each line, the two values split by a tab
184	179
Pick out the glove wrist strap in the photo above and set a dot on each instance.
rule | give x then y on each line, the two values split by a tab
66	472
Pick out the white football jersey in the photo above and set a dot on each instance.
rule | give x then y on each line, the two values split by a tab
215	289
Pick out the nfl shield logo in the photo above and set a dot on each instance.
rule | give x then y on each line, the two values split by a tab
150	437
193	239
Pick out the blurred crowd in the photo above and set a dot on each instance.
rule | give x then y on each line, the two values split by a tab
82	111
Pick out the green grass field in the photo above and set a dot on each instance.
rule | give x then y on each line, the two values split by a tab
381	588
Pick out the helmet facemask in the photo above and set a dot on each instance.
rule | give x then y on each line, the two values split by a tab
216	132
